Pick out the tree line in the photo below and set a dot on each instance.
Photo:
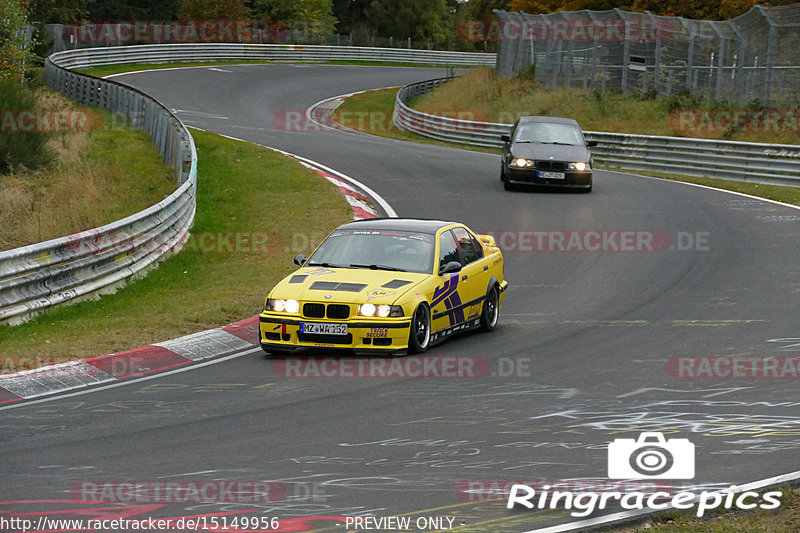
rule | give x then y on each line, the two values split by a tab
433	21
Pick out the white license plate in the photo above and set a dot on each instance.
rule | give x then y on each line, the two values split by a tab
551	175
323	328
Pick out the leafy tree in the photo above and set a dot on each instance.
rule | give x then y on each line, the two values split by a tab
350	14
15	43
130	10
58	11
420	20
212	10
312	17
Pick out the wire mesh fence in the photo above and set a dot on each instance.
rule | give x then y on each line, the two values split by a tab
751	57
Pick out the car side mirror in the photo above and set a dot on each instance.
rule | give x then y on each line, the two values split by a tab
506	138
300	259
591	143
449	268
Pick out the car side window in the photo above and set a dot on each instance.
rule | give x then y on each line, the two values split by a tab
448	251
469	245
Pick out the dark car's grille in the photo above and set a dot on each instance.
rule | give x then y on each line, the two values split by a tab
555	166
314	310
338	311
325	339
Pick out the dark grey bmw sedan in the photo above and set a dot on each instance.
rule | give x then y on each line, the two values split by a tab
548	151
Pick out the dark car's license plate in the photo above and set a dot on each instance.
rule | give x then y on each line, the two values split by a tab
551	175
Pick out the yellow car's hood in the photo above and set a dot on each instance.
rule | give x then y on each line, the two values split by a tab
346	285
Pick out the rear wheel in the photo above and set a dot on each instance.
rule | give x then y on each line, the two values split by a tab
491	309
420	335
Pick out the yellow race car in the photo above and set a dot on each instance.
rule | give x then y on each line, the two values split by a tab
386	286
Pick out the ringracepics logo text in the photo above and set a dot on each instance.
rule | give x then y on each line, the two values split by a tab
651	457
585	503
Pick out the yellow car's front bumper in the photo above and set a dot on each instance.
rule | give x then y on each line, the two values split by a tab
280	333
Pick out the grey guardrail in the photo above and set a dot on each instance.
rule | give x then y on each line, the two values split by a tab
36	277
195	52
777	164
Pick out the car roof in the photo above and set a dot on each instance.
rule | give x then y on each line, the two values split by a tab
399	224
552	120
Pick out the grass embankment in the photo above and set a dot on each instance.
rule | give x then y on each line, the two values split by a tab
255	210
480	95
785	519
101	171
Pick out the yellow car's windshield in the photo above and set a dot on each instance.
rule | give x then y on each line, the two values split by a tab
377	250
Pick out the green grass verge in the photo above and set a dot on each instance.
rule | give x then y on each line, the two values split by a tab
785	519
371	112
102	172
243	190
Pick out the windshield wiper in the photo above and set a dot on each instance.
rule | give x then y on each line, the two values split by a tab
326	265
562	144
378	267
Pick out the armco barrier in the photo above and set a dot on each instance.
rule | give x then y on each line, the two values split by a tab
169	53
35	277
777	164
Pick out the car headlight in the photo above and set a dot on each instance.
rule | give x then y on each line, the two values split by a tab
282	306
521	163
380	310
580	166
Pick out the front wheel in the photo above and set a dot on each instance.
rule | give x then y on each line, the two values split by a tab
420	335
491	309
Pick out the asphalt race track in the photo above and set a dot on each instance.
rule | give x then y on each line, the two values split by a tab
584	353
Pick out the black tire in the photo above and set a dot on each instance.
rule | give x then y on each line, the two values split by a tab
502	173
491	309
420	335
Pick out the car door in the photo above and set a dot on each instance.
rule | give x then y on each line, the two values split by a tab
474	275
446	298
457	298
